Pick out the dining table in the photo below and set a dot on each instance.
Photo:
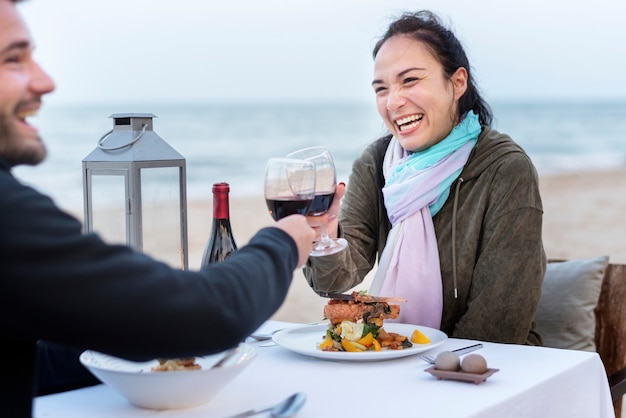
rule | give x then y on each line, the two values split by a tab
529	381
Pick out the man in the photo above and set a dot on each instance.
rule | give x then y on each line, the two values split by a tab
67	288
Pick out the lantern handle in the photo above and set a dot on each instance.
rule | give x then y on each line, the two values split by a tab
137	138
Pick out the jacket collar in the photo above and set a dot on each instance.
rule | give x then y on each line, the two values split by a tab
490	147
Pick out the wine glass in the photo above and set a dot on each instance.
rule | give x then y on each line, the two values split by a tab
325	186
289	186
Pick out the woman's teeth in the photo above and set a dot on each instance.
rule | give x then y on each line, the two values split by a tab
409	122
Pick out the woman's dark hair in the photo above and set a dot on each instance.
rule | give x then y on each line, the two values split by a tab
426	27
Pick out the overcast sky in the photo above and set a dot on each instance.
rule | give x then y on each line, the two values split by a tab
133	51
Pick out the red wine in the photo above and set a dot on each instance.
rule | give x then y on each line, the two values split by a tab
280	208
321	204
221	244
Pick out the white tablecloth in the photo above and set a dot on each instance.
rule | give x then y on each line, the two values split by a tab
531	382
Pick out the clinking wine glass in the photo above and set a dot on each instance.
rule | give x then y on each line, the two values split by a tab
325	186
289	186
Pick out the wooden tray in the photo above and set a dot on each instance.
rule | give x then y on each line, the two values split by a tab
465	377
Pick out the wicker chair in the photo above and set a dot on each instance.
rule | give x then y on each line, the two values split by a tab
611	331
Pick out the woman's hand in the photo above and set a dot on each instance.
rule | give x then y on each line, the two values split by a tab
331	218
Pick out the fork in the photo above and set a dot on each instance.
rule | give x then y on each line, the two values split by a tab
264	336
459	351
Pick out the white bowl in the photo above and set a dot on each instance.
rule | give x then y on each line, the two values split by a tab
170	389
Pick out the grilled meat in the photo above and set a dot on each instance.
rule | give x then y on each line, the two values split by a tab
373	313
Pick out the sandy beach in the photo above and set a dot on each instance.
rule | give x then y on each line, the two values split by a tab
584	216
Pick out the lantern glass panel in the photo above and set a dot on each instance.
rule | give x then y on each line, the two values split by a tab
109	207
160	196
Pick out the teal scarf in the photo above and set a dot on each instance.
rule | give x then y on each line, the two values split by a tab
419	163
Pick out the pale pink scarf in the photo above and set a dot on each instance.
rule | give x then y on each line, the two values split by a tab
409	265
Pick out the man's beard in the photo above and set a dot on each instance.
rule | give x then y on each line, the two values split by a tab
17	150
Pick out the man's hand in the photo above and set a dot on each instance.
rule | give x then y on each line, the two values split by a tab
297	227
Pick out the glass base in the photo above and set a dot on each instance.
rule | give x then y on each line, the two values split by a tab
328	247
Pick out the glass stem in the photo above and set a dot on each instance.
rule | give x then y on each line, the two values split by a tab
325	242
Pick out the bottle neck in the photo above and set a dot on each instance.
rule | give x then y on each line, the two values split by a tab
221	208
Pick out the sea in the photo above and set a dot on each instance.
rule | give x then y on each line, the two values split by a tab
231	142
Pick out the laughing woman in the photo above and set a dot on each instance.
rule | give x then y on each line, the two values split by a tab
449	207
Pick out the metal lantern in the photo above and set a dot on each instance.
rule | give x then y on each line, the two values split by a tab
134	186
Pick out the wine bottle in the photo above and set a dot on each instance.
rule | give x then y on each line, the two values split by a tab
221	244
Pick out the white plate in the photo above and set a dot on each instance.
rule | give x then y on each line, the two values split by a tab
306	339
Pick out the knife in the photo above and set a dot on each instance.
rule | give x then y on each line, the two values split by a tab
465	350
336	295
366	298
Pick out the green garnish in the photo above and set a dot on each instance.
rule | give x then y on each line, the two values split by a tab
367	328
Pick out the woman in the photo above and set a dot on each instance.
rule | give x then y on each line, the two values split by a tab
450	207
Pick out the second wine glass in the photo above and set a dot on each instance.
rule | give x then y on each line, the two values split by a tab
325	186
289	186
